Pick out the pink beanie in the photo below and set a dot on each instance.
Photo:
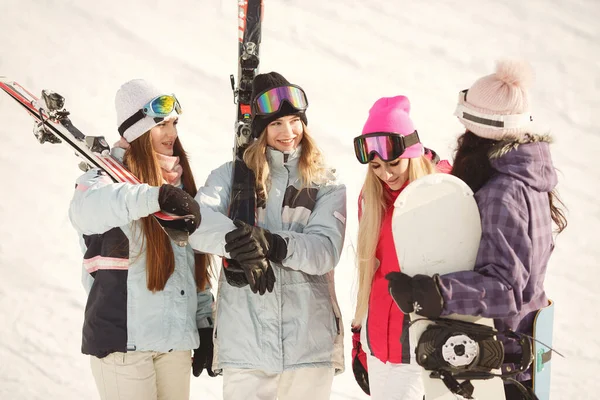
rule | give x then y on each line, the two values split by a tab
390	115
497	105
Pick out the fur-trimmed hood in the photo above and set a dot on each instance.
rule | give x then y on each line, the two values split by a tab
527	159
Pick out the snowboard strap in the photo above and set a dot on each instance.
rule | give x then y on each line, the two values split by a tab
464	389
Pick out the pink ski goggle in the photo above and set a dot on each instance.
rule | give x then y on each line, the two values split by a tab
387	145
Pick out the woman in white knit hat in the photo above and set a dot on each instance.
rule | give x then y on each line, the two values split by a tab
149	301
505	159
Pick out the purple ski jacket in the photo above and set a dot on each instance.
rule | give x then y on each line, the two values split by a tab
507	283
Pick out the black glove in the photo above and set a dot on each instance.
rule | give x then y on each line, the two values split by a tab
420	293
203	355
234	274
249	242
259	275
177	201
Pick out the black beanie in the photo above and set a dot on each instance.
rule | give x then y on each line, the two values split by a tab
264	82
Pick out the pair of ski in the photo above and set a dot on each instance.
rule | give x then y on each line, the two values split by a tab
53	125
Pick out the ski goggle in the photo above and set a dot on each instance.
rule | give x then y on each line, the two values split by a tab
491	121
159	107
387	145
271	100
162	106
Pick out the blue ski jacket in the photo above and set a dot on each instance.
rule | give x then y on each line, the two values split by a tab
121	314
299	324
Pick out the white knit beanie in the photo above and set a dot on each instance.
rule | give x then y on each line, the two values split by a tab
130	98
497	105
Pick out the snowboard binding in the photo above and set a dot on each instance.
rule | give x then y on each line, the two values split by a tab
456	350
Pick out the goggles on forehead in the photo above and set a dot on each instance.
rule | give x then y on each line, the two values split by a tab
159	107
270	101
494	121
387	145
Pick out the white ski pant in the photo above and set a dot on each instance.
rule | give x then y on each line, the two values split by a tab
143	375
394	381
298	384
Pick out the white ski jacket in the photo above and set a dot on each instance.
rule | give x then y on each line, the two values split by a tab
121	314
299	324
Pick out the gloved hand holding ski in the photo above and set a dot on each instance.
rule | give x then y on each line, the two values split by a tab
178	202
249	242
419	294
250	248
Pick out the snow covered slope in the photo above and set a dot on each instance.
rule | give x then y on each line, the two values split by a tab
346	54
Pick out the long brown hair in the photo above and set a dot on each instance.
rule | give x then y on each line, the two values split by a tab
141	160
472	165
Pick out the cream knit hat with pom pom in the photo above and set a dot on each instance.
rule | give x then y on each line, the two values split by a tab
497	105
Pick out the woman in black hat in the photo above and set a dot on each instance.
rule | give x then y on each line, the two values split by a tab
278	325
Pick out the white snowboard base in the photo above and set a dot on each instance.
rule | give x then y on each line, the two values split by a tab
437	229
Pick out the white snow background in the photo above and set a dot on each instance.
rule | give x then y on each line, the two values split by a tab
345	54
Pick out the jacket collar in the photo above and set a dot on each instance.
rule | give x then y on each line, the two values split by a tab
527	159
278	159
504	146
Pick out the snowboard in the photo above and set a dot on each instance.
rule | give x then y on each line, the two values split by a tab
437	229
53	125
542	332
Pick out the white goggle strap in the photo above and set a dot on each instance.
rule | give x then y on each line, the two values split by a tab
494	121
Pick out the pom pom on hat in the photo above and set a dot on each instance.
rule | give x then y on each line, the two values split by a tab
515	72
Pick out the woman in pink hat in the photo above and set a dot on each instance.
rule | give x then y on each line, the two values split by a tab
391	147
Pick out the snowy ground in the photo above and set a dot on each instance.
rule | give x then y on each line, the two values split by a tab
346	54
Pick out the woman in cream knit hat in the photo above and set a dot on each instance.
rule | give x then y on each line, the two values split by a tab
506	161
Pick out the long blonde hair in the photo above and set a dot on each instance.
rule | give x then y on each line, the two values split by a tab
141	160
374	203
311	164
